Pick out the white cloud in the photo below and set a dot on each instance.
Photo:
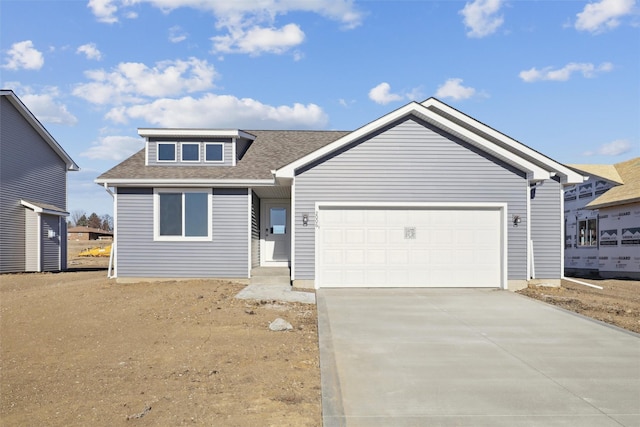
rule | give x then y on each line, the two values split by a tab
257	40
613	148
381	94
113	148
177	34
242	113
587	70
481	17
133	81
23	55
44	104
454	89
104	10
90	50
603	15
45	107
248	25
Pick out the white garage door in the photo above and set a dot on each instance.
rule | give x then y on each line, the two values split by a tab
409	247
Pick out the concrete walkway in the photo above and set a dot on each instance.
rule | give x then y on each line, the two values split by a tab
468	357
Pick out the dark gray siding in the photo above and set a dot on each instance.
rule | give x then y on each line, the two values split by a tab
30	170
50	248
153	151
411	162
242	145
138	255
546	230
255	230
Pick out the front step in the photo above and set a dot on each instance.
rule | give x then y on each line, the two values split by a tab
270	276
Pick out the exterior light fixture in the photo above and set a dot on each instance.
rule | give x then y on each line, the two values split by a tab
516	220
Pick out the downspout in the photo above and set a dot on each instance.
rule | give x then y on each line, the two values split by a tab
113	243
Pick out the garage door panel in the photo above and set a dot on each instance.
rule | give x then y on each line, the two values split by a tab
410	247
354	236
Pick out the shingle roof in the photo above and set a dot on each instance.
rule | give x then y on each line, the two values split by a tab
628	192
270	150
81	229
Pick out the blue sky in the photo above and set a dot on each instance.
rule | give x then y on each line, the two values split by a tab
562	77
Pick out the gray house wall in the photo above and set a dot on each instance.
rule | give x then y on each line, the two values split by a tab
29	170
153	151
50	245
138	255
411	162
546	230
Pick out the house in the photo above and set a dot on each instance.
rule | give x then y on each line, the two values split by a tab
423	196
602	221
33	192
88	233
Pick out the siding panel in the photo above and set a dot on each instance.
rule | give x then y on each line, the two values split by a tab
410	162
50	249
255	230
546	230
139	255
30	170
31	240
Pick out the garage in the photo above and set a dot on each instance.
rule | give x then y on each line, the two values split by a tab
410	246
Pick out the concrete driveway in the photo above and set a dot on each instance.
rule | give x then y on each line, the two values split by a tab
470	357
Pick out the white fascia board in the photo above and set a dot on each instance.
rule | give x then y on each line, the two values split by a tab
229	183
187	133
288	170
533	171
568	176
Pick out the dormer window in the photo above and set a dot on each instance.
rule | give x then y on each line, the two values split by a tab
214	152
190	152
167	152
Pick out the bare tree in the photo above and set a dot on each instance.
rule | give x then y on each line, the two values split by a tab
76	217
107	222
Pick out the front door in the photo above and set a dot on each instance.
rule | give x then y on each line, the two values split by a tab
275	233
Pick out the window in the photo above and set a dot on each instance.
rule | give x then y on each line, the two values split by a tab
588	232
190	152
214	152
167	152
182	215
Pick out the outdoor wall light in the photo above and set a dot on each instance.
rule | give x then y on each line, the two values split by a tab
305	220
516	220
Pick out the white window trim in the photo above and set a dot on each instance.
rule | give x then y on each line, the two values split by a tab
175	152
182	144
156	215
205	152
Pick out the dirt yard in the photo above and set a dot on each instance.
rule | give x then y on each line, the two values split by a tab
618	303
77	349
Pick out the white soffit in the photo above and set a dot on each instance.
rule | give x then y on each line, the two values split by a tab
195	133
570	176
534	172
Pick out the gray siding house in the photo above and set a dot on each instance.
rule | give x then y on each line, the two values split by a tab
424	196
33	192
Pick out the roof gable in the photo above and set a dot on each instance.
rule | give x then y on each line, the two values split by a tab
37	126
467	129
607	172
627	192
